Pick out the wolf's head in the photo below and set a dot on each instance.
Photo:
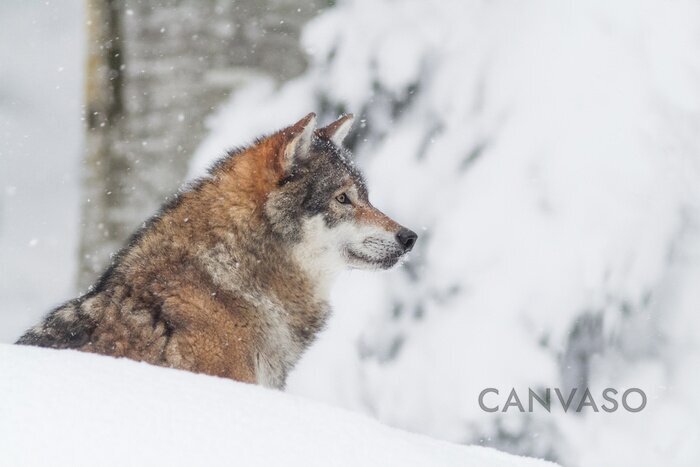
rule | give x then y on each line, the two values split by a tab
320	203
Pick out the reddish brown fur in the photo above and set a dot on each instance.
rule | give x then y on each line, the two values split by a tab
368	214
159	305
214	332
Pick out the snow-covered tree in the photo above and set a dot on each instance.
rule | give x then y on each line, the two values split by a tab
548	153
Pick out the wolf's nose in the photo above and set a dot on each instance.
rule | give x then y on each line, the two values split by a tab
406	238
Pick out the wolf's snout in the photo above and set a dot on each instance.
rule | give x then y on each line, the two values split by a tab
406	238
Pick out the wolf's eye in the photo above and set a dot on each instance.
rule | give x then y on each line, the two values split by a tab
342	198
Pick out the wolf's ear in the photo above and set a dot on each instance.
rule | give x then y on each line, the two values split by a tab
298	141
338	130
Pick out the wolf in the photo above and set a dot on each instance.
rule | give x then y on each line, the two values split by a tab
232	277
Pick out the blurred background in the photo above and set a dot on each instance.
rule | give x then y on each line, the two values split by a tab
548	154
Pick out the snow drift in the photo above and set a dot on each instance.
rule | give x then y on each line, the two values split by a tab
70	408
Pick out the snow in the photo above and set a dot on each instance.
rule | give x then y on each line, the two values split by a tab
548	153
70	408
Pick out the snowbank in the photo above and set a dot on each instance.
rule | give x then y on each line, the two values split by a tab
70	408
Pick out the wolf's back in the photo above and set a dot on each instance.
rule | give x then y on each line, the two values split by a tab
66	327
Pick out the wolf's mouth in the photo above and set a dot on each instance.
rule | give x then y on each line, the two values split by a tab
383	263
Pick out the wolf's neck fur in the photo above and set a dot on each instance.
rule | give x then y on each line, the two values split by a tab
320	263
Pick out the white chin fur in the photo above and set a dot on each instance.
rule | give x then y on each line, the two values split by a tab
316	254
373	252
323	251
